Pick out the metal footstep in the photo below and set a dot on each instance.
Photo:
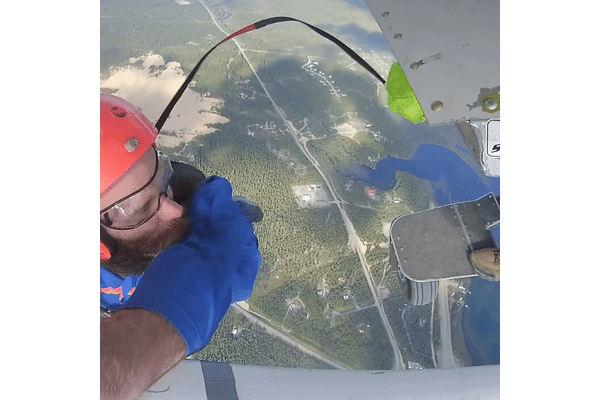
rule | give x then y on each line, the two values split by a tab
435	244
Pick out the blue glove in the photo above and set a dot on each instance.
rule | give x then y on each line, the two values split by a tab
193	283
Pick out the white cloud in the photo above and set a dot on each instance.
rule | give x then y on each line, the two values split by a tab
149	84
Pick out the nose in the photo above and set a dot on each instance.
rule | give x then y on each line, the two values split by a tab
169	209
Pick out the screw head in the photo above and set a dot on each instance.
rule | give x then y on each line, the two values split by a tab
132	144
437	105
491	104
398	36
385	14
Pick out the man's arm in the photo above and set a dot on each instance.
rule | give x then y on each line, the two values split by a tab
136	348
182	296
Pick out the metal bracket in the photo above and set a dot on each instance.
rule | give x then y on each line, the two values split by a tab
483	139
435	244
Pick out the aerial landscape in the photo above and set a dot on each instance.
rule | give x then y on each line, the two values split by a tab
287	117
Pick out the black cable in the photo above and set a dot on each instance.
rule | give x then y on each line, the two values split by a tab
257	25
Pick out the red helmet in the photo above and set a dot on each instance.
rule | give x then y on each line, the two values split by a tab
125	135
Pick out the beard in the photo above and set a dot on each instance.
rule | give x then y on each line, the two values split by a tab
133	257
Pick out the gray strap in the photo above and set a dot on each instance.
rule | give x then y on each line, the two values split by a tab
219	381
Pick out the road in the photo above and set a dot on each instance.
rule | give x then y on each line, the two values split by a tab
256	320
446	358
352	236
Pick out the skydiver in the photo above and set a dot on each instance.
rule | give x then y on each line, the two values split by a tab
176	249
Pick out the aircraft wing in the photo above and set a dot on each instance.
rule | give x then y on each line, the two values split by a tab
450	54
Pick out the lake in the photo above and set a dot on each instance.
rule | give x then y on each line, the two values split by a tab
452	180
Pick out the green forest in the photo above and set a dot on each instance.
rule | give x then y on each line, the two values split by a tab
238	341
302	249
307	261
306	249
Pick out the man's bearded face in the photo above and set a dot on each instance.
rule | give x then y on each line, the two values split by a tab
133	256
135	249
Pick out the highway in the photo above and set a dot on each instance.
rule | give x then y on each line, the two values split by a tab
353	238
259	321
446	358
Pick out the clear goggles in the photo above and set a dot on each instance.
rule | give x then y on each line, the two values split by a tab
137	208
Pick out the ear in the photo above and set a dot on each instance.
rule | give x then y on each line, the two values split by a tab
108	245
104	252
